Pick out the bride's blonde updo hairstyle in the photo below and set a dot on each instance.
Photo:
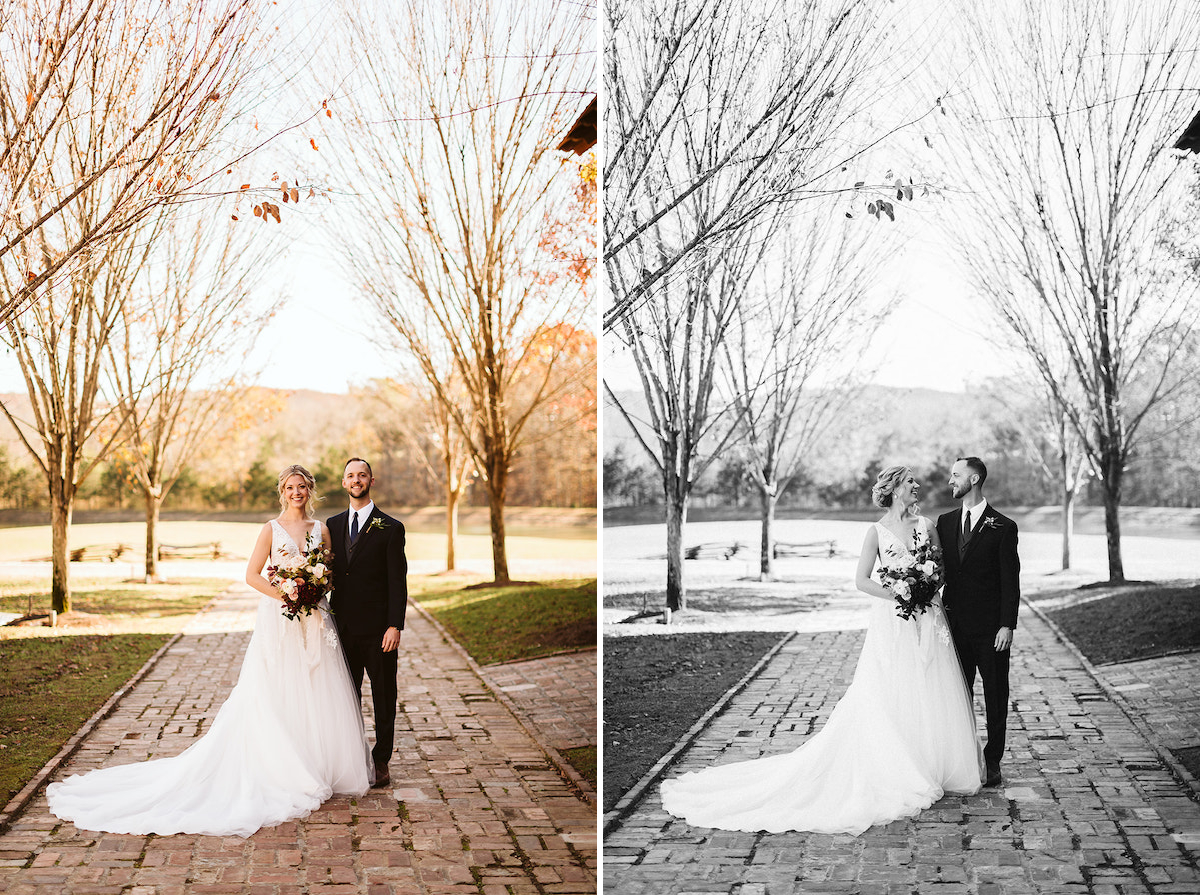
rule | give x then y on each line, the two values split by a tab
297	469
885	484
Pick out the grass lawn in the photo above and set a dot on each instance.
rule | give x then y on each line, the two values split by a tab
657	686
49	686
54	679
1190	758
583	759
108	605
509	623
567	542
1133	622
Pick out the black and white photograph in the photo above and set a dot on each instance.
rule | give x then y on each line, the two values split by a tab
899	564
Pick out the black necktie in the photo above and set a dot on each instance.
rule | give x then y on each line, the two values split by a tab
354	529
966	526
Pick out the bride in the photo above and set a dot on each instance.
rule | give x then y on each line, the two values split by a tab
901	736
289	735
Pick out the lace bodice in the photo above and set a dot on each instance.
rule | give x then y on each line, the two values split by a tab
284	546
891	545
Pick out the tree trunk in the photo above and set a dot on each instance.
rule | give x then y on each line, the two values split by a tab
497	486
1068	524
676	517
1112	526
766	563
60	529
452	495
153	508
1070	486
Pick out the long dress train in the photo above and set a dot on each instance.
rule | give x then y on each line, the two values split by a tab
901	736
289	736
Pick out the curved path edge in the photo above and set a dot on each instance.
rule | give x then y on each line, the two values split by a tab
18	802
634	795
583	787
1135	717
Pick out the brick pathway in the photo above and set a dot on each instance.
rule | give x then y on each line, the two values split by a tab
557	694
1087	806
475	807
1166	692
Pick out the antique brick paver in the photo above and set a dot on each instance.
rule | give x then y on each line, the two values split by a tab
556	693
474	807
1164	691
1086	807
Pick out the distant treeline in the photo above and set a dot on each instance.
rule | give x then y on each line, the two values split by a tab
926	429
239	470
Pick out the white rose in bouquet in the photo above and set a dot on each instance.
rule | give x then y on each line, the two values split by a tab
900	588
288	586
318	570
929	568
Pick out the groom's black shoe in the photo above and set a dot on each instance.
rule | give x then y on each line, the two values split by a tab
993	775
382	777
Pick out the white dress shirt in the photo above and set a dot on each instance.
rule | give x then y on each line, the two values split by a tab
363	515
976	512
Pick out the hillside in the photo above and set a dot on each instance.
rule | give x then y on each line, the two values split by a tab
893	424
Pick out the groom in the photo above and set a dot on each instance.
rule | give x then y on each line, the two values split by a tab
981	596
370	594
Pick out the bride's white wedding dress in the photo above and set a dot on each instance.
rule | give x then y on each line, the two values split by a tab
288	737
901	736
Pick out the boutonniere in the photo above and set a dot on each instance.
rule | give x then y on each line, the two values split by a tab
990	522
377	522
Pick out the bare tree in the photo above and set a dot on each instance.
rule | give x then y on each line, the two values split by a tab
797	355
104	106
112	110
1067	126
676	341
1049	442
183	347
451	141
720	119
424	422
780	92
60	343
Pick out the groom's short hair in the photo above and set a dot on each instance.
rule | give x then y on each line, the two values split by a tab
358	460
976	466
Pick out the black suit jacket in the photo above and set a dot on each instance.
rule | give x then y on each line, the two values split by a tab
983	586
370	586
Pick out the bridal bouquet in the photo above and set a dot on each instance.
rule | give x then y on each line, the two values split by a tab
914	579
304	579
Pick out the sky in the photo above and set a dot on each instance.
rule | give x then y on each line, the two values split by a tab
319	338
316	339
937	336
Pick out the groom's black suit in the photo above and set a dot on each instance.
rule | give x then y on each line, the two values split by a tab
983	591
370	595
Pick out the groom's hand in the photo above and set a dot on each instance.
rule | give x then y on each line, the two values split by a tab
391	639
1003	639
